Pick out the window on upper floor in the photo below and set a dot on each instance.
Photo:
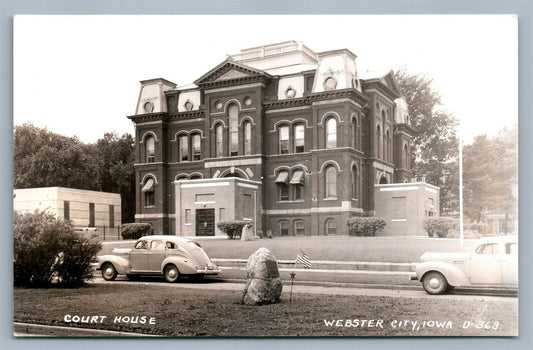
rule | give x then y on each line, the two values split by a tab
282	181
196	142
247	138
233	114
183	142
284	139
379	142
299	138
355	182
219	140
148	191
331	182
331	132
149	143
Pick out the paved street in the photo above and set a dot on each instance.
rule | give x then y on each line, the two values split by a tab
375	290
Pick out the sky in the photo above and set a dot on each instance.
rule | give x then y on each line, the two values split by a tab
79	75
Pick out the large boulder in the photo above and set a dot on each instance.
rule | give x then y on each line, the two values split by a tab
263	284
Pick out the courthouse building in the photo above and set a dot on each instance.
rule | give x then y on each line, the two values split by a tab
280	135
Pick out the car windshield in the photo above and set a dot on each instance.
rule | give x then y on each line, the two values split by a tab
141	245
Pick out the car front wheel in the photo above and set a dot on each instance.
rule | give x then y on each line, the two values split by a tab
435	283
171	273
109	273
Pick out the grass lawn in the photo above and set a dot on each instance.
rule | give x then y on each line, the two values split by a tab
339	248
196	312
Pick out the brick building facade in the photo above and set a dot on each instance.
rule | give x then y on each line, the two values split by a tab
313	132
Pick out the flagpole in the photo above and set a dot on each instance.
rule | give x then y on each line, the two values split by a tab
293	274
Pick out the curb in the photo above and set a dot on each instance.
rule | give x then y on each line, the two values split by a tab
336	284
41	330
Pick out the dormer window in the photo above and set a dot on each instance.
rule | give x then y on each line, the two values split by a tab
148	107
290	93
188	105
330	83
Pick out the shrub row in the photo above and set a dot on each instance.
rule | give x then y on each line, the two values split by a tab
232	228
136	230
365	226
48	251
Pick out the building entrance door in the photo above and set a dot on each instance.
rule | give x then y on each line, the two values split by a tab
205	222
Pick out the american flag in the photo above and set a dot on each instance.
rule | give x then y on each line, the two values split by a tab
303	259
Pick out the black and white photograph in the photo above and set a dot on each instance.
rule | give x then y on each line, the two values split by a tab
265	176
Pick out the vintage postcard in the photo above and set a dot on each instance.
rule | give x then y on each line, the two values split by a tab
266	176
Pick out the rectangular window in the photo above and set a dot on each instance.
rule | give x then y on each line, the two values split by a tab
399	208
196	147
111	216
66	210
283	192
299	228
149	199
299	138
91	214
222	214
297	192
284	228
247	206
187	216
284	140
184	148
205	198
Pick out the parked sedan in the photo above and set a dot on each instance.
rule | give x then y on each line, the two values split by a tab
493	263
170	256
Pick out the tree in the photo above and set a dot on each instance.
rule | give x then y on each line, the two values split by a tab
46	159
42	158
434	147
116	156
490	172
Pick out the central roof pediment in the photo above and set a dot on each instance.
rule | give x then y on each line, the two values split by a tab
230	71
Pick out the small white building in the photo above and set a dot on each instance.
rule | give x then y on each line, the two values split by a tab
86	209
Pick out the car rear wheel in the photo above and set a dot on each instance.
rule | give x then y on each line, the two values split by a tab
109	273
171	273
435	283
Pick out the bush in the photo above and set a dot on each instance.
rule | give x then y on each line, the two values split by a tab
480	227
136	230
232	228
365	226
48	251
439	226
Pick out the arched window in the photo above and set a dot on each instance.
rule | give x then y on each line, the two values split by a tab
247	138
196	145
354	133
233	113
195	177
379	143
149	142
219	140
284	228
282	181
148	191
331	182
299	227
299	138
383	180
330	227
405	157
183	141
355	182
387	146
283	135
331	133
